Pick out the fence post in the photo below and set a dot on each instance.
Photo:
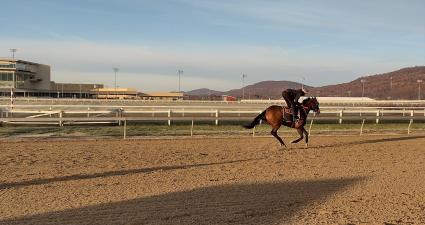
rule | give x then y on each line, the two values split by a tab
125	129
60	120
410	124
169	115
191	129
88	112
311	124
116	116
119	116
377	115
340	117
361	128
216	116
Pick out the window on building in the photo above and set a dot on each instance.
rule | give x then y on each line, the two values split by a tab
5	76
7	65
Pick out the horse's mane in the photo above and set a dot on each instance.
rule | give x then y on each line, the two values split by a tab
306	100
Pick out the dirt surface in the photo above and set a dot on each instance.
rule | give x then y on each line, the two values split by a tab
338	180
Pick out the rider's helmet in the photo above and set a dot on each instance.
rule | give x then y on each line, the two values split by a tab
303	89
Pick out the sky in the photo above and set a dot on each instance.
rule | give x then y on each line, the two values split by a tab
214	42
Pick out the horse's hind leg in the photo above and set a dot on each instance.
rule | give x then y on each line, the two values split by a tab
300	132
306	136
274	133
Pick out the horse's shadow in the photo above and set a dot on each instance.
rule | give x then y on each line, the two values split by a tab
112	173
371	141
255	203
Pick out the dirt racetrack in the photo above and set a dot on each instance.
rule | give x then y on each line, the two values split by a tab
338	180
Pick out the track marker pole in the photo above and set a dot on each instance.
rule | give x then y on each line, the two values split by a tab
361	128
169	115
191	129
216	116
377	117
311	124
410	124
60	120
125	129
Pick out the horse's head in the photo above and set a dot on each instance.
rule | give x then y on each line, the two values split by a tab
312	104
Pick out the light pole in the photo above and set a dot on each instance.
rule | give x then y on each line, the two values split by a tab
363	81
180	72
391	87
11	98
243	85
115	80
419	89
13	50
302	82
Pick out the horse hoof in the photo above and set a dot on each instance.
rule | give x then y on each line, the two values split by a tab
306	145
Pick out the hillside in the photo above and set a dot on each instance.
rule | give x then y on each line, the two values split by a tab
400	84
404	85
204	92
265	89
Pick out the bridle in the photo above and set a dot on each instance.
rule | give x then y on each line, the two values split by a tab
309	107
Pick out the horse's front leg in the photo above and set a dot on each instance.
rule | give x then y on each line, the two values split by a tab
306	137
274	133
300	132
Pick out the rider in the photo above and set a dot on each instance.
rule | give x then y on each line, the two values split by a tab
291	97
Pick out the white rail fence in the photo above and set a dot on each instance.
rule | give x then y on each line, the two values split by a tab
99	114
120	116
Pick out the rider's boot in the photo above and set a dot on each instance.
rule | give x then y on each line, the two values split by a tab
294	115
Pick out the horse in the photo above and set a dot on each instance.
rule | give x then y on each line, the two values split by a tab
277	115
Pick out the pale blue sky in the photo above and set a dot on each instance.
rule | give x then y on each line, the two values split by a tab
214	42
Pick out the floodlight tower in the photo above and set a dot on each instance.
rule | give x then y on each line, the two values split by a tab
243	85
180	72
419	89
115	69
13	50
302	82
363	82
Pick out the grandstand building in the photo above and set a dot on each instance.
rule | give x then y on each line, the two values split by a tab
20	74
30	79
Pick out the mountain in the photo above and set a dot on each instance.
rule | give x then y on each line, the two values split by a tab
204	92
399	84
265	89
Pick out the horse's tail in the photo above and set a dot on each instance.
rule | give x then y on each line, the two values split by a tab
256	121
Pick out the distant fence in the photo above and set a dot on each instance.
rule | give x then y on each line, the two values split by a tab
122	121
117	115
331	101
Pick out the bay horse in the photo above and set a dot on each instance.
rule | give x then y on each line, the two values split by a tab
277	115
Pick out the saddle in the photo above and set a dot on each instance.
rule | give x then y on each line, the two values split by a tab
287	114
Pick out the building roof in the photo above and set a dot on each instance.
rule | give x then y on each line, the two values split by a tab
115	90
164	94
18	60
